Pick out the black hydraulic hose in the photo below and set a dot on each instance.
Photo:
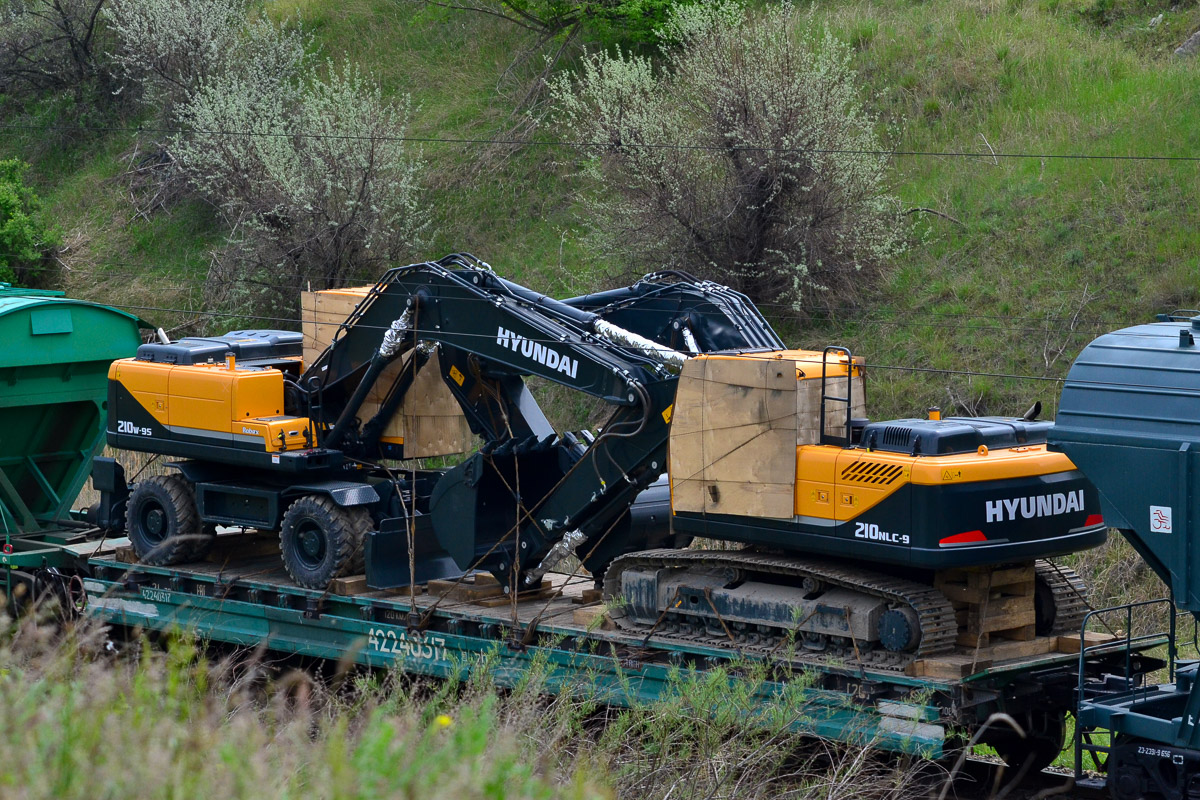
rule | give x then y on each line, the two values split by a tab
608	432
373	430
585	318
379	363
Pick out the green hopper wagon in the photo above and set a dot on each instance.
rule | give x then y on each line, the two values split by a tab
53	373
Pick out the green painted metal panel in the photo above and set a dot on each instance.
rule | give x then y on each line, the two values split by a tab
47	321
1130	419
599	673
53	386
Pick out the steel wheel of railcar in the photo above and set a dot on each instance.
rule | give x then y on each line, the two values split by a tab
162	521
1045	737
21	599
320	540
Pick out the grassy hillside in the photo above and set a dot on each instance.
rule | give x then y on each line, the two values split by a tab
1026	259
1014	265
1044	253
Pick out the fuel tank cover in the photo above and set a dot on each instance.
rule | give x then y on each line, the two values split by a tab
245	345
952	435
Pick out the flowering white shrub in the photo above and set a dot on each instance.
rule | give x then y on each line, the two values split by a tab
305	161
747	155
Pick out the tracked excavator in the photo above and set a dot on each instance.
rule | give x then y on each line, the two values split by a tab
840	537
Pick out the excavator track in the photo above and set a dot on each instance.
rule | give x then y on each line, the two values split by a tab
1070	595
934	612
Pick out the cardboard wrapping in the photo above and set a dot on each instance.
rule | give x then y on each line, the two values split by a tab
737	422
429	421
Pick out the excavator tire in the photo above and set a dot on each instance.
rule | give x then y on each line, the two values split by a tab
162	522
321	540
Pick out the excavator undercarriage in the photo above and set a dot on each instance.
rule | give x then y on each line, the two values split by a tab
804	609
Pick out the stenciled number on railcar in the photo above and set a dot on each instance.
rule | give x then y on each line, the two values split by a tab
415	646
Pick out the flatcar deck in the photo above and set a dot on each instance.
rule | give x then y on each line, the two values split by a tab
247	599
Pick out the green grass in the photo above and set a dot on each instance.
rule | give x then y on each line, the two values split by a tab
78	720
80	724
1043	244
462	71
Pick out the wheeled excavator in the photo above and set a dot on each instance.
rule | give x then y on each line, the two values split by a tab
853	539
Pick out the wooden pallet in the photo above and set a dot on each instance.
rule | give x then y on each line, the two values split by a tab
990	603
484	590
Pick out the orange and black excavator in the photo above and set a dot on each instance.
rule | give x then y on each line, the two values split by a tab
857	537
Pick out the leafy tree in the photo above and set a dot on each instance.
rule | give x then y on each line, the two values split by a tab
747	157
171	47
557	27
313	176
308	167
25	240
53	45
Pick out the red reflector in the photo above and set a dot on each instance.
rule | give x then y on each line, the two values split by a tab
1094	519
8	548
963	538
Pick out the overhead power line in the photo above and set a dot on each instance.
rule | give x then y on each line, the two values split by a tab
478	142
142	270
604	345
976	323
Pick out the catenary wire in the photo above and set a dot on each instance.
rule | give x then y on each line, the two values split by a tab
1099	325
904	323
601	144
602	345
300	284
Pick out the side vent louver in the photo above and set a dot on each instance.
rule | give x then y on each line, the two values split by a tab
872	473
897	436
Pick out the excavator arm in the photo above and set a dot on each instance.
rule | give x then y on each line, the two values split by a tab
531	496
686	313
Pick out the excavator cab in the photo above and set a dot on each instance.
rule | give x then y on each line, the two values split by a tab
775	448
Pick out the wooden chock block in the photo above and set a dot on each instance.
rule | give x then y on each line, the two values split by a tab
349	585
1073	644
477	586
991	602
587	597
500	599
949	667
594	617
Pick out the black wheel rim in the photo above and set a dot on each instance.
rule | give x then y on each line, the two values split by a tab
153	522
310	543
